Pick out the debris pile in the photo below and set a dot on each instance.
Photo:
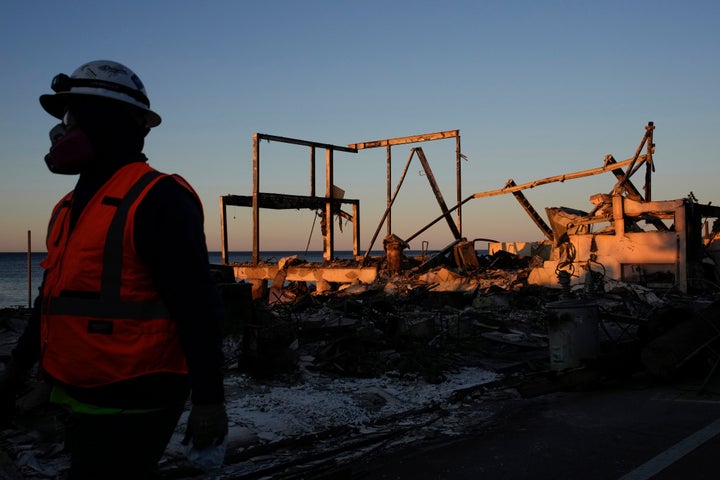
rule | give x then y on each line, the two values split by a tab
330	363
334	375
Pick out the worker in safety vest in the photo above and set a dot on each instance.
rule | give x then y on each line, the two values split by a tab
128	321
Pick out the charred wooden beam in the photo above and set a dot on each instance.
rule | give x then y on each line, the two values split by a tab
281	201
278	201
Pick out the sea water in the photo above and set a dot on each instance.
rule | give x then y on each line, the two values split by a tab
19	279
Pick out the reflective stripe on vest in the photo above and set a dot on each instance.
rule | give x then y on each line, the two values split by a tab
113	254
64	203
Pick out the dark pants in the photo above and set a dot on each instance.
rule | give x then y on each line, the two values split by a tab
126	446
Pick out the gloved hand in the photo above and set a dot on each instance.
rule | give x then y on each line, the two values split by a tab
11	379
207	425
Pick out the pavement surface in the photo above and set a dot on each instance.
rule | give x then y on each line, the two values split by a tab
635	431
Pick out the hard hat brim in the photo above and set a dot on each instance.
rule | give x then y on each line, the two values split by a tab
55	105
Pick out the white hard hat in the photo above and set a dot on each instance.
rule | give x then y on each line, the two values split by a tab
102	78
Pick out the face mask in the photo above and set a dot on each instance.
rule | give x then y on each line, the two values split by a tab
70	151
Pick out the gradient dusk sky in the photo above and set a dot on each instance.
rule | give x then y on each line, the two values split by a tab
536	88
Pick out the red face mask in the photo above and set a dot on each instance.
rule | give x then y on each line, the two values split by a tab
70	151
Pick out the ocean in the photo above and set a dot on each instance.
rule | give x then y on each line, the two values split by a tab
17	291
14	278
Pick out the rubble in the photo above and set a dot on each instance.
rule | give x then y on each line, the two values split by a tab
334	362
331	377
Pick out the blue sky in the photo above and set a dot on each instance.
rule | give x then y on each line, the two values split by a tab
536	88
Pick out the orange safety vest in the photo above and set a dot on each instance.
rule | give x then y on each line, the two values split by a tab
102	319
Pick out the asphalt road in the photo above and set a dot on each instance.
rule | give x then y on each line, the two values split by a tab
636	431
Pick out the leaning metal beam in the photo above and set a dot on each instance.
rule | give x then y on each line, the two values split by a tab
556	178
525	203
536	183
438	194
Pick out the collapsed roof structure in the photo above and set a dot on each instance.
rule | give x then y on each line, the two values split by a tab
627	236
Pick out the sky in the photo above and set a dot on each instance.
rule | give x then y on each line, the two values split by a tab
536	88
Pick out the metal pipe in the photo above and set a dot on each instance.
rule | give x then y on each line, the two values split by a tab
29	267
